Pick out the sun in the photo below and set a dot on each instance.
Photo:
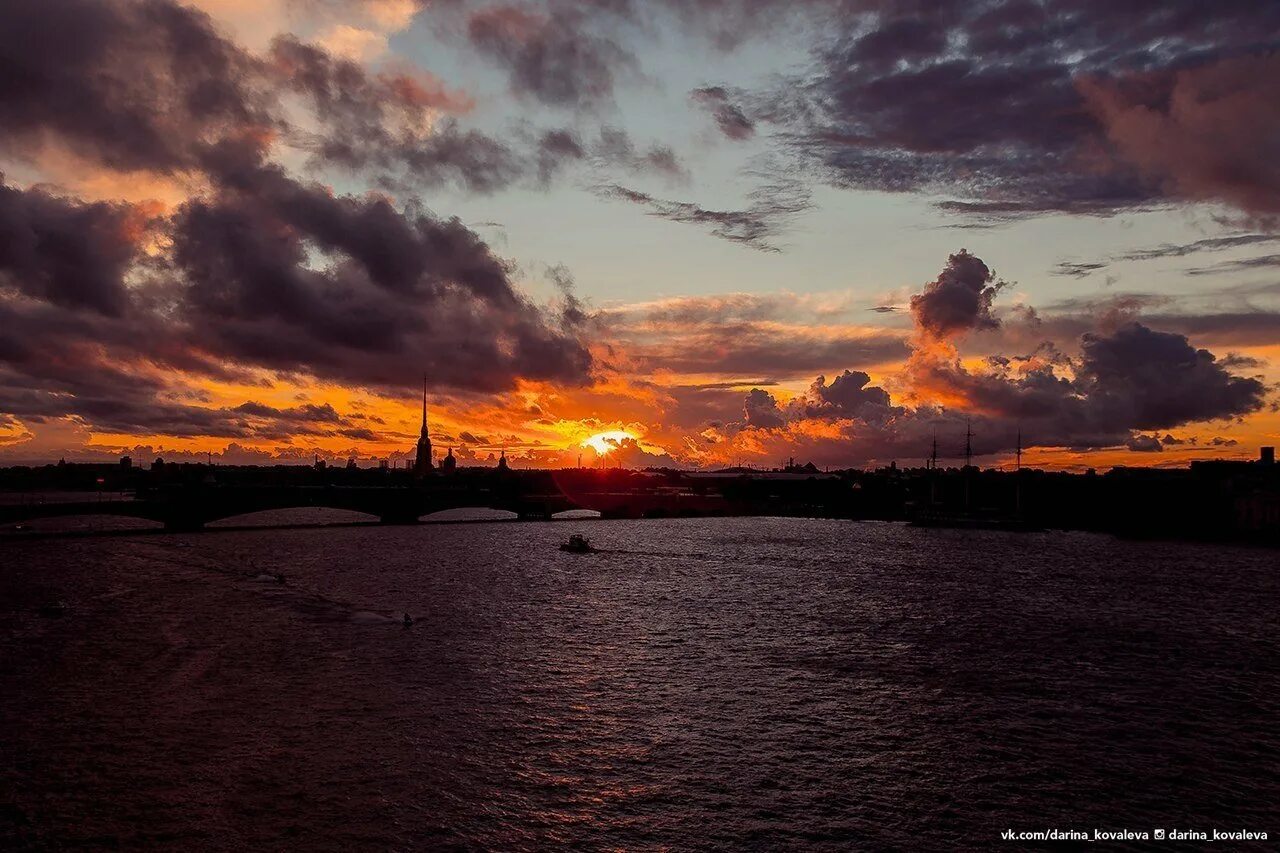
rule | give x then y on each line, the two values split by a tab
605	442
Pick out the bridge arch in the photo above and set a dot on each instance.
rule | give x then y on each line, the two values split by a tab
469	513
304	515
78	522
577	515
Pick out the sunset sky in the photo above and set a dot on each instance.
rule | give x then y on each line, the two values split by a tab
720	231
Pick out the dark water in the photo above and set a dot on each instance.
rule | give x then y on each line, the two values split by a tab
725	683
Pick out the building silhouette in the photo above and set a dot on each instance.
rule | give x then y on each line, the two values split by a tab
422	464
449	463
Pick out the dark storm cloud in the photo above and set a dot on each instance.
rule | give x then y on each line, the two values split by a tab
67	252
1016	108
761	410
1144	444
728	116
1206	133
261	271
403	291
152	85
55	362
1160	380
848	394
1004	108
1134	380
133	84
959	299
115	374
1124	382
264	271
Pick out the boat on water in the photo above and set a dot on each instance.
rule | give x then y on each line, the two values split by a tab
54	609
577	544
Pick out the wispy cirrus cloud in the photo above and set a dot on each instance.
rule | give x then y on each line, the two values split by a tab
771	209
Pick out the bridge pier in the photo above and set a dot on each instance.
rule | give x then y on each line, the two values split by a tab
398	518
184	525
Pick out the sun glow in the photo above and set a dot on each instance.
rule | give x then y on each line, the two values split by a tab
605	442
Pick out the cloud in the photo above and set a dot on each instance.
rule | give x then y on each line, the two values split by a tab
401	125
1013	109
308	413
1241	265
1157	379
959	299
1208	133
1124	383
848	395
744	334
760	410
1209	244
551	56
1077	270
1222	316
729	117
132	85
630	453
116	309
235	287
771	209
67	252
615	148
1144	444
404	292
153	87
1177	250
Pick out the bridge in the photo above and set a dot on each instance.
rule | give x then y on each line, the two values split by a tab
190	508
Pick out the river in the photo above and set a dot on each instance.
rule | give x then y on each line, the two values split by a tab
711	683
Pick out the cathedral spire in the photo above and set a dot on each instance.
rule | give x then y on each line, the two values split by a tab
422	463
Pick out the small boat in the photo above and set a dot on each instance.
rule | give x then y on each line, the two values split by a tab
577	544
54	609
